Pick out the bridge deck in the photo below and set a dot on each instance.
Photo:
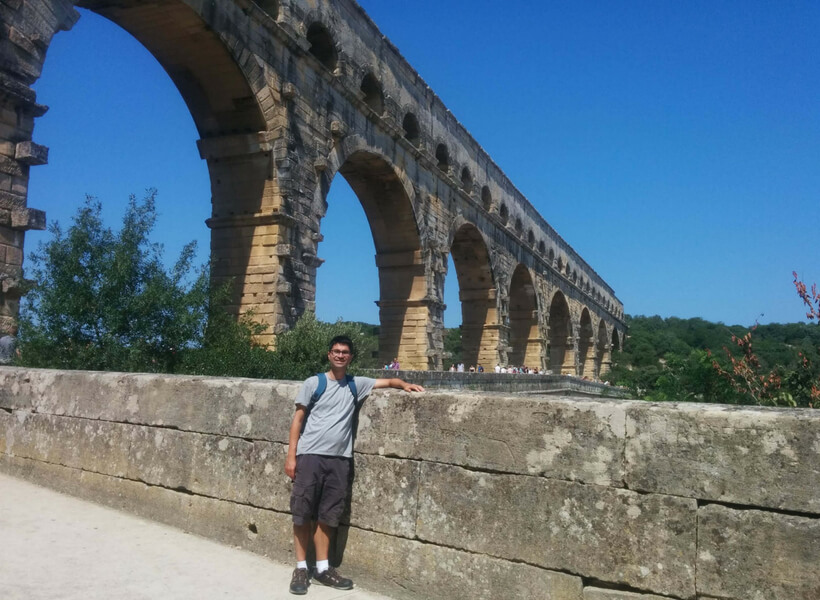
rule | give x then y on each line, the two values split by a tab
58	547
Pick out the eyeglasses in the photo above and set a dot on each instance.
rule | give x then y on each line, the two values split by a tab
340	352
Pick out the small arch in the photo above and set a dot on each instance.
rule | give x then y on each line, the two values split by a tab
442	157
269	6
466	180
525	342
560	265
322	45
519	226
561	361
542	248
486	198
574	276
567	270
530	237
412	131
551	256
602	357
373	94
616	342
477	294
504	213
585	344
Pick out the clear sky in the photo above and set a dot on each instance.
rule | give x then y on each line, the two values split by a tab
674	145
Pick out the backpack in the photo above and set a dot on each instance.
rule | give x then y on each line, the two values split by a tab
320	389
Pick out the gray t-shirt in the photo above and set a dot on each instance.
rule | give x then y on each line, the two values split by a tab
329	427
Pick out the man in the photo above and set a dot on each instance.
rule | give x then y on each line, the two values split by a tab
320	454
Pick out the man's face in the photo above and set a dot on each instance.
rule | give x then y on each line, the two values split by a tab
339	356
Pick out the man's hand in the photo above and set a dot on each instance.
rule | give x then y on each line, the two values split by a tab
398	384
290	466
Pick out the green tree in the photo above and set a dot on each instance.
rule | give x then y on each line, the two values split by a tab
104	300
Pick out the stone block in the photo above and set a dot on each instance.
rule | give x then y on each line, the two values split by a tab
30	153
385	495
25	219
753	456
423	570
640	540
564	439
11	201
251	409
757	555
269	487
78	443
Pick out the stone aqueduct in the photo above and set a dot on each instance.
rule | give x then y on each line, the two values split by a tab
285	96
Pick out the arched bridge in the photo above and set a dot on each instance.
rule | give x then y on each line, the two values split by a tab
288	95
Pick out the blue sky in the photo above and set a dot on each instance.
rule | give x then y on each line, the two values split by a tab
674	145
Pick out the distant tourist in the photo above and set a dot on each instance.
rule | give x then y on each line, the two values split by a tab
472	368
497	368
8	348
395	364
480	369
320	451
452	368
460	367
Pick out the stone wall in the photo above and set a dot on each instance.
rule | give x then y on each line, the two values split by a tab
510	383
457	495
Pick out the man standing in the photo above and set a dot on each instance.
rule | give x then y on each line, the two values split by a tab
320	453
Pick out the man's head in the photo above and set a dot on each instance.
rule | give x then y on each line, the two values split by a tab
340	351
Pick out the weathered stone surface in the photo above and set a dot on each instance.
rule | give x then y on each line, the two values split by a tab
242	408
756	555
559	438
79	443
756	456
424	570
645	541
592	593
385	495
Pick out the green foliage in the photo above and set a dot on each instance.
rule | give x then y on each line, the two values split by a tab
302	351
104	300
452	345
674	360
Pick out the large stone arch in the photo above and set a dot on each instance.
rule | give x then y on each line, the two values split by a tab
225	90
477	294
387	203
524	339
586	342
561	350
281	109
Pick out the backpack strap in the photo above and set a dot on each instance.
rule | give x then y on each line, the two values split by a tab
351	384
320	389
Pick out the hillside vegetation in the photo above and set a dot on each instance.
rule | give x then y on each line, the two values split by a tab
686	360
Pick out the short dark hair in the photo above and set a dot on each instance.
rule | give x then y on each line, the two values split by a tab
344	341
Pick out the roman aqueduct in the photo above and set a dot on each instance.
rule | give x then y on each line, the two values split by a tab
286	96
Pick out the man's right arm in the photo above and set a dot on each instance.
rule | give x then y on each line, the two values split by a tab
293	440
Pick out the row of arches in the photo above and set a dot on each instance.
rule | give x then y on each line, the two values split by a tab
535	336
324	49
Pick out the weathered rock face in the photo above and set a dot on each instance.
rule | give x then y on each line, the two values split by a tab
456	496
760	457
758	555
645	541
286	96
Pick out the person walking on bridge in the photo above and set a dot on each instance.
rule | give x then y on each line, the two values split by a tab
320	453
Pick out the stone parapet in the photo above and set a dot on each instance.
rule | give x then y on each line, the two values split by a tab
456	495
